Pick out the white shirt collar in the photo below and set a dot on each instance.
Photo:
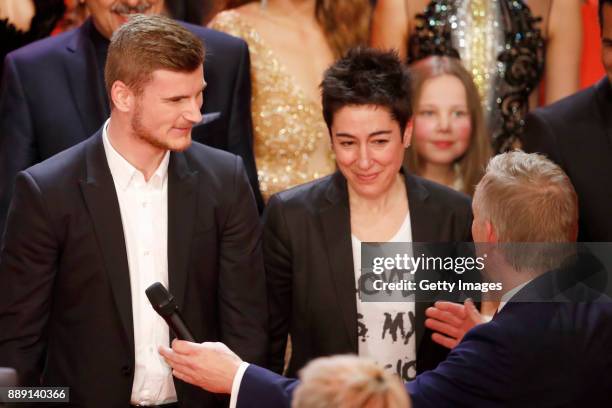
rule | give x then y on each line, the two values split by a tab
509	294
123	172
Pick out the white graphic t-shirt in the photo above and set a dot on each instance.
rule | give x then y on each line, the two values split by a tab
386	330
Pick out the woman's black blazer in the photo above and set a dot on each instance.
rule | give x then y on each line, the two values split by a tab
309	266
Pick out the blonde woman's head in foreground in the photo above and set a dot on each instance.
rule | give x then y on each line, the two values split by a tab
348	382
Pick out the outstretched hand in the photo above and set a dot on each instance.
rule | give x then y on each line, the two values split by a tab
450	321
211	366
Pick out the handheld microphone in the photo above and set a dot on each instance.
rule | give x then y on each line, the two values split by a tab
165	305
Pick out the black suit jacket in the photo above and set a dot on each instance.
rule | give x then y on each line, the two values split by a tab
52	97
532	354
65	301
545	348
576	133
309	265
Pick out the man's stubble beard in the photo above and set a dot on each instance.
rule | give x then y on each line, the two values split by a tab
145	135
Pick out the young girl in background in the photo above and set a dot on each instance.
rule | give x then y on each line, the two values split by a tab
450	144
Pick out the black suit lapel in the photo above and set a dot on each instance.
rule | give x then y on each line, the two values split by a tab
182	212
421	215
101	200
421	219
604	102
336	224
603	92
82	70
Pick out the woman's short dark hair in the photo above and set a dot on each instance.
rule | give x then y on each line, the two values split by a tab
366	76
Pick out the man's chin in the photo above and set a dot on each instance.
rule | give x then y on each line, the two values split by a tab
180	147
176	145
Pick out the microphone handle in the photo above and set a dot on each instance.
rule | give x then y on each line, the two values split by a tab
179	328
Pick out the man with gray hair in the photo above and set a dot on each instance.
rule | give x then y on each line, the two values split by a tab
136	203
529	235
536	350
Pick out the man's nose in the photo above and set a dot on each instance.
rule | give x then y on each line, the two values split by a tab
193	113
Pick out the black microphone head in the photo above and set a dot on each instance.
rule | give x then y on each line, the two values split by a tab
161	300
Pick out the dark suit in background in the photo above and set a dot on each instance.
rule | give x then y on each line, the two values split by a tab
65	301
190	11
310	273
576	133
53	97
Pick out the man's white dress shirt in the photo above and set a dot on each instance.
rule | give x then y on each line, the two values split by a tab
144	216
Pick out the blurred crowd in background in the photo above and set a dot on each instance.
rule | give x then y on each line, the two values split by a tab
30	20
479	67
485	77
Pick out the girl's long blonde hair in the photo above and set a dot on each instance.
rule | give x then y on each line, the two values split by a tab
478	153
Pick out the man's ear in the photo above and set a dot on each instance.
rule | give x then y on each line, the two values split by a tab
407	136
491	233
122	96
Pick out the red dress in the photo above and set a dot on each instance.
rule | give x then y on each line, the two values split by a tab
591	69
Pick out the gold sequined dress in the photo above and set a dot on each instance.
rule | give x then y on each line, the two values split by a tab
288	128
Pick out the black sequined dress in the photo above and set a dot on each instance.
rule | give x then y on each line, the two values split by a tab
501	45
